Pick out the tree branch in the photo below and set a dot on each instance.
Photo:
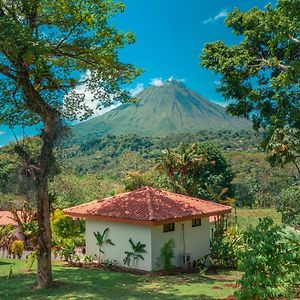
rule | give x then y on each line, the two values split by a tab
5	71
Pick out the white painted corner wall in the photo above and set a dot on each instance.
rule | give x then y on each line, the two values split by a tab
120	234
197	241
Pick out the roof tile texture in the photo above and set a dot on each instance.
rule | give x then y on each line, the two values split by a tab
5	218
148	204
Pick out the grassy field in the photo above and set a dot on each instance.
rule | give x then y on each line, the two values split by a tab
80	283
247	217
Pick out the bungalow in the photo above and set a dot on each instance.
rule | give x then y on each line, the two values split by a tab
152	217
6	218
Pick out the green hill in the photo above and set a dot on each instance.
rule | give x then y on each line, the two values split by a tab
161	110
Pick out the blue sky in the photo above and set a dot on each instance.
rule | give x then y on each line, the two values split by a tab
170	37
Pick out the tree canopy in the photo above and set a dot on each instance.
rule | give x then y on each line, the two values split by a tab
261	74
47	49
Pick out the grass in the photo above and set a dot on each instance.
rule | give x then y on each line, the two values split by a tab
81	283
250	217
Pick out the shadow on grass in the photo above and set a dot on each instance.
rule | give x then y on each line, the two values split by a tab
6	263
78	283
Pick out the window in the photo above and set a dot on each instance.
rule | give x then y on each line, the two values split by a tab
169	227
196	222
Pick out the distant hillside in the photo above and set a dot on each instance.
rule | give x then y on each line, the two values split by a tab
164	110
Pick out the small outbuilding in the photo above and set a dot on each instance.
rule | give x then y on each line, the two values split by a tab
152	217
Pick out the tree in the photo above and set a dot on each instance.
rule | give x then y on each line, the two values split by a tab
288	203
198	169
261	74
47	48
283	147
102	240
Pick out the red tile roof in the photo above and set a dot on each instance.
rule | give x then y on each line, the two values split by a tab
147	206
5	218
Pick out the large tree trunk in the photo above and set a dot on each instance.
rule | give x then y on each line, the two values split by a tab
44	271
44	268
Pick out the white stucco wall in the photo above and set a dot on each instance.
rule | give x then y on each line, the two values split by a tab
119	234
197	241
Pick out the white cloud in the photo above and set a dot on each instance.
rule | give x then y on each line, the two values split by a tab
224	104
139	87
2	132
222	14
157	81
88	99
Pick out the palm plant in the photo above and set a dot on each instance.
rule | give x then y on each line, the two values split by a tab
137	252
102	240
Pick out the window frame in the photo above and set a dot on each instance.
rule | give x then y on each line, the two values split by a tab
169	227
196	222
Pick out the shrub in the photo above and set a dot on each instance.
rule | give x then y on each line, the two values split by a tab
225	245
288	203
166	255
66	249
17	248
270	262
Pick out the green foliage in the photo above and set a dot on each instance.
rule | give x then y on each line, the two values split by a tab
68	189
283	147
270	262
137	252
261	73
226	244
166	255
288	203
66	249
66	227
17	248
31	259
197	168
87	259
102	240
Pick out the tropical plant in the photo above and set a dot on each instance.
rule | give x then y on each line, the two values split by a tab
166	255
137	252
17	248
270	262
47	49
261	73
88	259
67	249
192	168
226	244
103	240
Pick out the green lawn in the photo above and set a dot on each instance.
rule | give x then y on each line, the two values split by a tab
247	217
80	283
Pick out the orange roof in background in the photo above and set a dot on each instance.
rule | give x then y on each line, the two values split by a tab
147	206
5	218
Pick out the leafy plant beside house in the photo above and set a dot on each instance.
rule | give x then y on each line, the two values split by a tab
137	252
103	240
225	245
166	255
270	262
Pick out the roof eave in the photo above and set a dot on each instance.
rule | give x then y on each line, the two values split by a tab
145	222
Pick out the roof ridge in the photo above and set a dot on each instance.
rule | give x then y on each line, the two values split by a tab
150	204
